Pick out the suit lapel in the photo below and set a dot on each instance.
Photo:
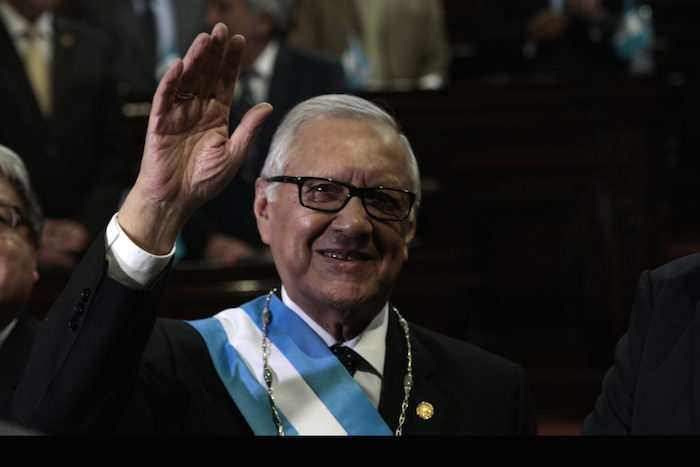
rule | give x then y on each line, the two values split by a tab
424	388
394	370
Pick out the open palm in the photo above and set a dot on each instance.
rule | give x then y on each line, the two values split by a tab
188	156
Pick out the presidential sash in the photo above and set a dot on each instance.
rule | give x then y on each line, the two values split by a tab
314	393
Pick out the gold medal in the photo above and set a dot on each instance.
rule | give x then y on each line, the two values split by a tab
425	410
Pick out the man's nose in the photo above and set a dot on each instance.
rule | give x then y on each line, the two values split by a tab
353	218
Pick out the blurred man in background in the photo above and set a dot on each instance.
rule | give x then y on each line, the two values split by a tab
61	113
148	34
382	44
566	38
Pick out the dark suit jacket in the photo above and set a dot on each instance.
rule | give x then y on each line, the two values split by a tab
77	159
89	373
653	386
297	76
13	357
135	66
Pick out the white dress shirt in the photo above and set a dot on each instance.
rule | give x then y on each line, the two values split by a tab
18	27
128	263
132	266
262	71
370	344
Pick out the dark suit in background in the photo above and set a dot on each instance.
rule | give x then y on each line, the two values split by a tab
584	49
79	157
653	386
297	76
135	65
89	373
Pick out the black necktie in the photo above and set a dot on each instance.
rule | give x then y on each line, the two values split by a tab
245	100
350	359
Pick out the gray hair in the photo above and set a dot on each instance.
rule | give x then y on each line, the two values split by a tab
13	170
334	106
281	12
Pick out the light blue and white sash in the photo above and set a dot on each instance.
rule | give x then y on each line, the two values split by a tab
314	393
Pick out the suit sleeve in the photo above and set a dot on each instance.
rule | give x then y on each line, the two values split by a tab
84	365
613	411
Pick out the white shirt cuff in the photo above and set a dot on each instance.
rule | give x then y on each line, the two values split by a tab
129	264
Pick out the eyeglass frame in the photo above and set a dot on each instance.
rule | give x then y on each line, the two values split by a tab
352	192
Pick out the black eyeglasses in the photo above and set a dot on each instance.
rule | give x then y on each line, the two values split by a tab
10	216
328	195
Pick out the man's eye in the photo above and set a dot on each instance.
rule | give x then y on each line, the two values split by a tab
382	201
323	188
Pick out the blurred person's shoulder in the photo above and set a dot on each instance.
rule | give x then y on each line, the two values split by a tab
678	269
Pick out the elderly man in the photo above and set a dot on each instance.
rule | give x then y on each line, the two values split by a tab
20	229
336	203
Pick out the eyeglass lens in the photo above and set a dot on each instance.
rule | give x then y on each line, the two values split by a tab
379	202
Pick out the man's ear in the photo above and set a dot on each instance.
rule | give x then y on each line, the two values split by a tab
261	207
408	236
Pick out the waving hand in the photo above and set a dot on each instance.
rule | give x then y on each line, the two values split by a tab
188	157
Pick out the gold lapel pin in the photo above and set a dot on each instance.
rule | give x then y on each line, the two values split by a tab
425	410
67	40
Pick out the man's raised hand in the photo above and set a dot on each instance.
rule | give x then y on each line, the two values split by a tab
188	157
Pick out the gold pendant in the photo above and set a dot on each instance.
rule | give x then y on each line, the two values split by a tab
425	410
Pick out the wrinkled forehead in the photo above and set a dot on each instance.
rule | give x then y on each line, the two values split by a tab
349	147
